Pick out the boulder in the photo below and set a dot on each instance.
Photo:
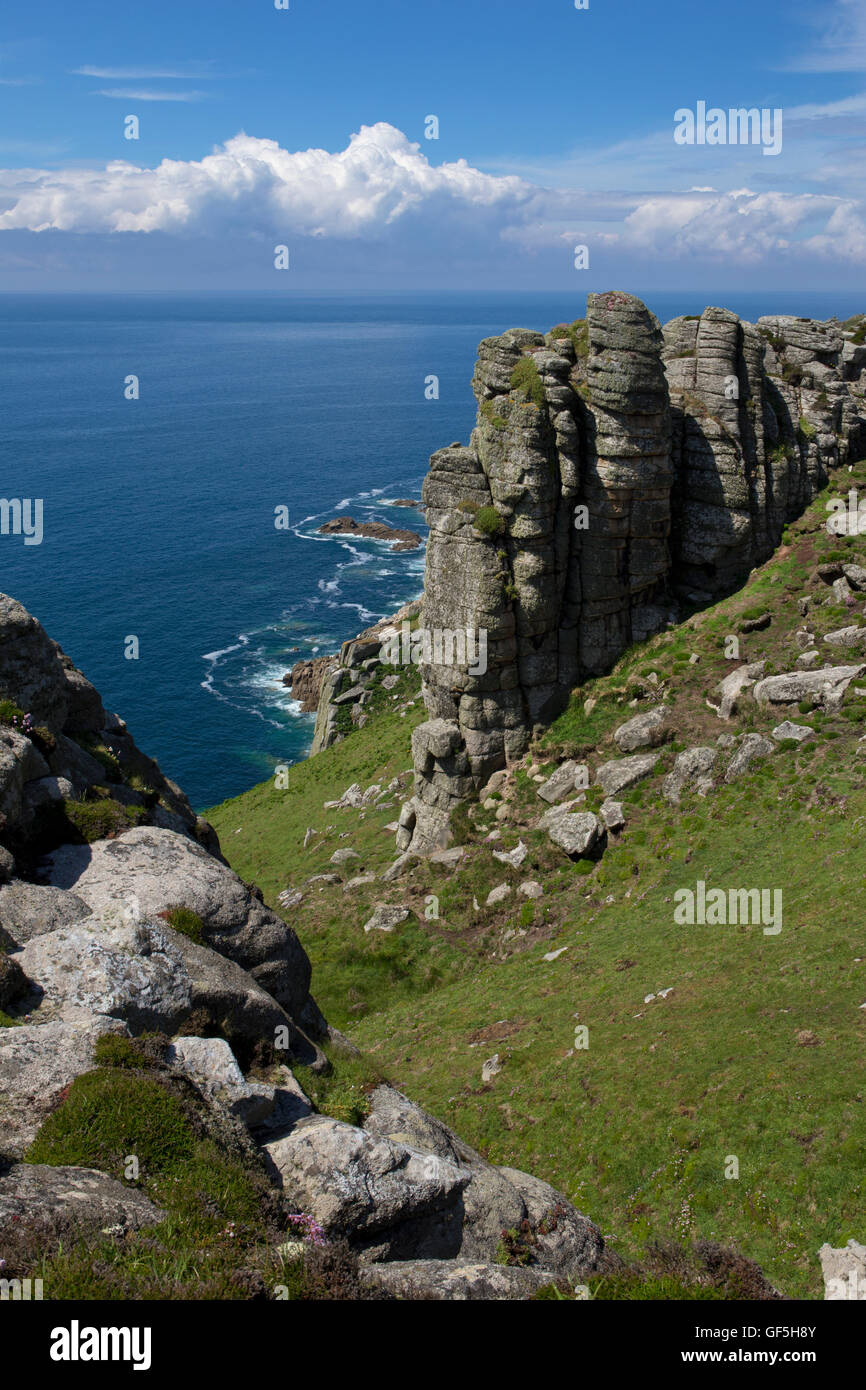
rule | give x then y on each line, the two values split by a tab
732	687
14	984
844	1272
456	1281
361	881
789	730
853	637
612	815
132	972
498	895
37	1197
386	918
856	576
37	1063
149	977
825	687
578	834
646	730
386	1199
450	858
148	870
20	762
31	909
212	1065
692	771
513	857
31	674
561	783
622	773
531	889
752	746
495	1199
344	856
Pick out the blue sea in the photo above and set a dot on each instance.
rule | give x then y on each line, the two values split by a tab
159	512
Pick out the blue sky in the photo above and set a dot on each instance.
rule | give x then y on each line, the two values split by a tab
306	127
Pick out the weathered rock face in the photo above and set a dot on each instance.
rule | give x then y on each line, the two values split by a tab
762	413
305	681
31	1194
89	947
65	709
148	870
344	683
406	1188
610	471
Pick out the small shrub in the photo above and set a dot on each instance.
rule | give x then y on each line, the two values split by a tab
327	1272
517	1246
488	521
577	332
184	920
776	341
489	413
103	755
525	378
83	822
793	374
115	1050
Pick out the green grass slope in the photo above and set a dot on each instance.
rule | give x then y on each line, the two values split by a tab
757	1052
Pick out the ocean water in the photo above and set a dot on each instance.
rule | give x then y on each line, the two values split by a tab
159	512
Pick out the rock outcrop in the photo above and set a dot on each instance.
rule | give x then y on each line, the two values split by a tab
404	1187
398	539
616	468
128	941
345	683
62	744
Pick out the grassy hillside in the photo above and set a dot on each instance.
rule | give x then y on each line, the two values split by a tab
756	1052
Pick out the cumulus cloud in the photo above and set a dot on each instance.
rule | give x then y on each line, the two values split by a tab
745	226
382	186
379	178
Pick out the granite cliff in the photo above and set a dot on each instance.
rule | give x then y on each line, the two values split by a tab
618	470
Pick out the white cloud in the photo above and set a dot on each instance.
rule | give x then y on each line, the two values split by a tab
841	42
816	111
137	94
255	184
196	72
383	187
746	227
